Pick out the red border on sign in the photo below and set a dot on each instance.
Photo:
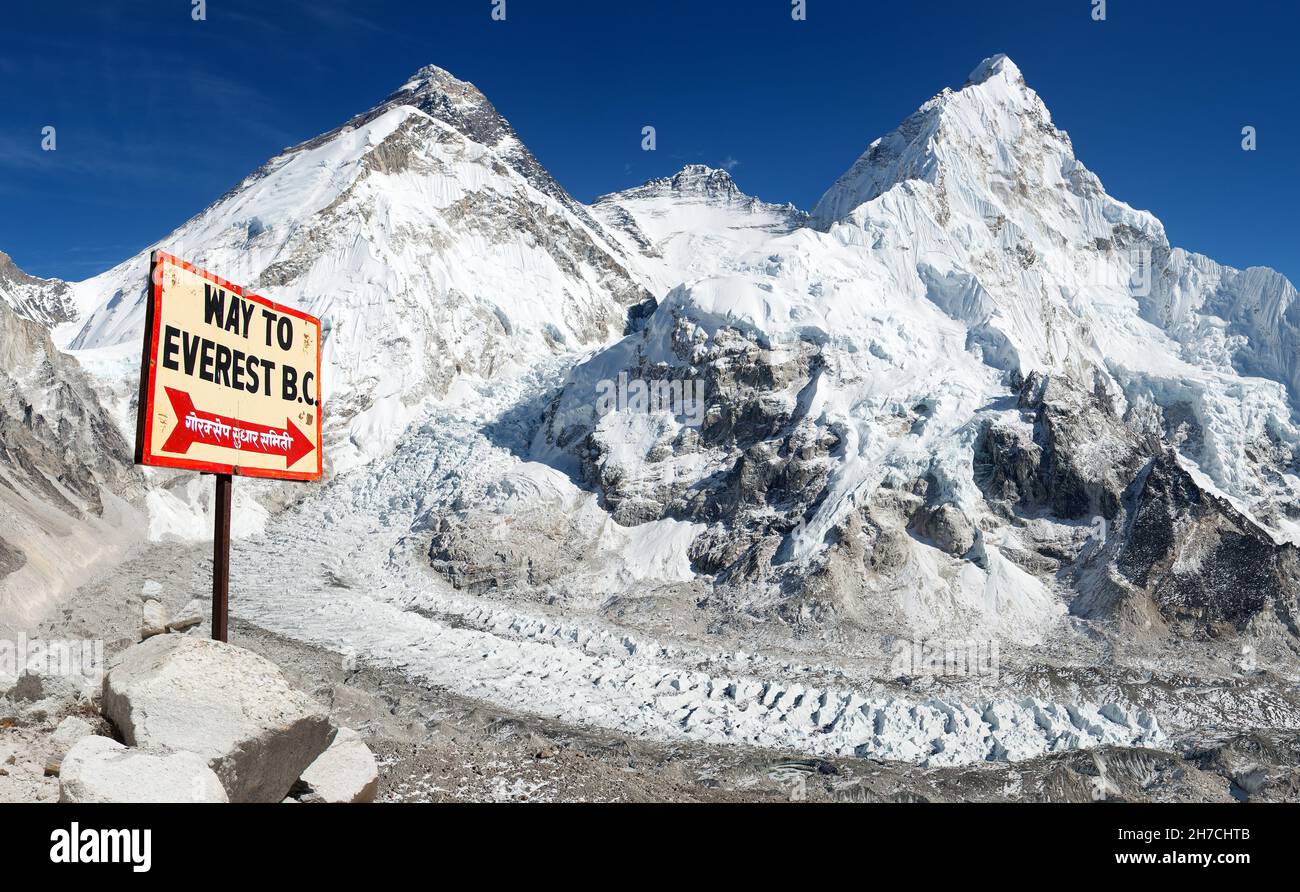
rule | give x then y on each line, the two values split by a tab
149	369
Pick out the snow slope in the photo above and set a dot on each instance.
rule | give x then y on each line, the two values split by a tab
692	224
426	237
856	367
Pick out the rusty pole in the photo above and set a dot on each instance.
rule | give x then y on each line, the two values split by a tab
221	560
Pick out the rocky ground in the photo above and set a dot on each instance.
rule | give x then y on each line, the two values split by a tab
434	746
437	747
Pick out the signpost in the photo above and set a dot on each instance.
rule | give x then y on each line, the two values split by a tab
229	384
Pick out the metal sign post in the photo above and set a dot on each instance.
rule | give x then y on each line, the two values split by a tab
229	384
221	560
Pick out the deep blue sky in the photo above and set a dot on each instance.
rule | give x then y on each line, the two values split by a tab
158	115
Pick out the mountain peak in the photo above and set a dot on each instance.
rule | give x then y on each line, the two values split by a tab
464	107
692	181
999	65
434	79
702	179
47	301
994	121
455	102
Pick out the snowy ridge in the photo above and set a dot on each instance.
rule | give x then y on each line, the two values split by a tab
431	247
692	224
961	256
47	301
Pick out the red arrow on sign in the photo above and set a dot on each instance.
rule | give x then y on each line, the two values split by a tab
209	428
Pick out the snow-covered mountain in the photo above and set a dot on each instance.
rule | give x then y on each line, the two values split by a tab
693	464
920	404
47	301
428	239
925	411
692	224
66	479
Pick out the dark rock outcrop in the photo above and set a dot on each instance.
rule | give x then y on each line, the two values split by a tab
1205	565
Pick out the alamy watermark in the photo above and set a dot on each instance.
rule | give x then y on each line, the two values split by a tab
89	845
683	399
951	658
73	658
1099	270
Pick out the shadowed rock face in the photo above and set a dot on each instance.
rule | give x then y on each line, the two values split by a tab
1205	565
11	558
1088	455
766	462
1078	463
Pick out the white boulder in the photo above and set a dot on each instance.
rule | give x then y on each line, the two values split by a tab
346	772
189	616
153	619
53	683
70	731
98	769
230	706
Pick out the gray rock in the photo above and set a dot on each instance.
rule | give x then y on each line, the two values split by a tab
231	706
70	731
192	614
947	527
346	772
98	769
39	685
1208	568
41	711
